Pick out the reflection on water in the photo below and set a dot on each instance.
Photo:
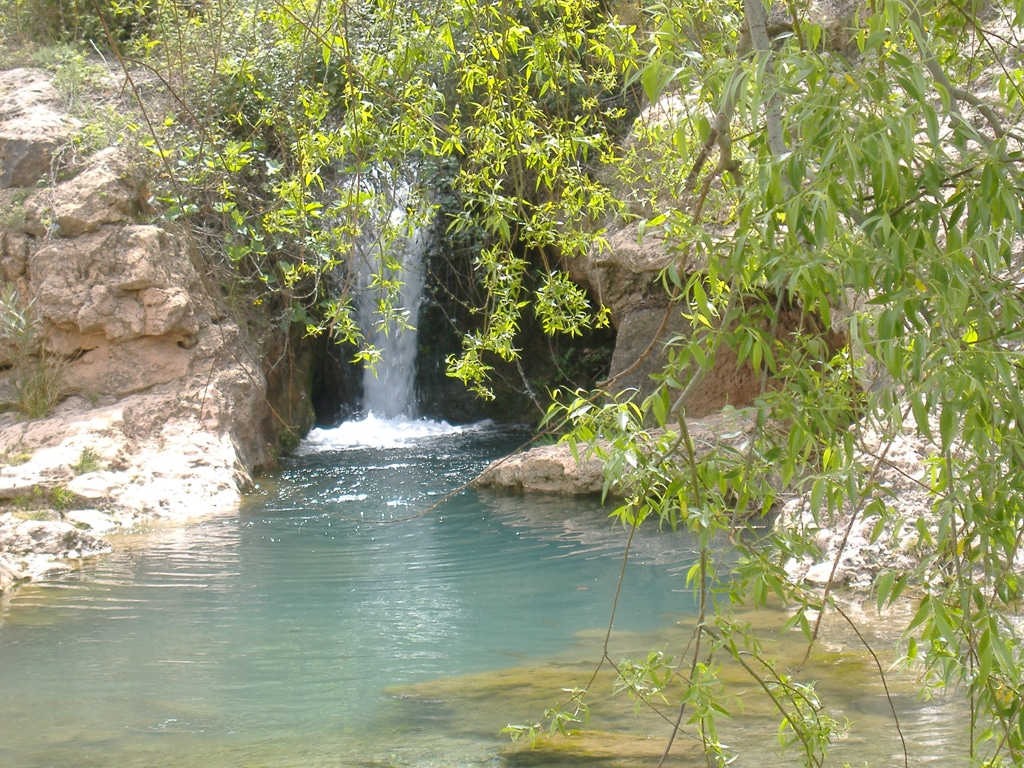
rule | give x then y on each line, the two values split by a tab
308	629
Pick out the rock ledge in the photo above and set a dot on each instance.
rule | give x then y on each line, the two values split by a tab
162	403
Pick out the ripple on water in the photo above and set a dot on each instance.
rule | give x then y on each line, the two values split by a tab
272	638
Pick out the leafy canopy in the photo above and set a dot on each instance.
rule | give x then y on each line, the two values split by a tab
865	172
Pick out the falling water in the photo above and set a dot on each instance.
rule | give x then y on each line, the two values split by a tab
389	390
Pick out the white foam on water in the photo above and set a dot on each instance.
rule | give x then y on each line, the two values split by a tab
373	431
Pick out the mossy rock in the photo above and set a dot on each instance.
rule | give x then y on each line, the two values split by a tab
611	748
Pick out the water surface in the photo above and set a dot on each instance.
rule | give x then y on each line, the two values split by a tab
286	635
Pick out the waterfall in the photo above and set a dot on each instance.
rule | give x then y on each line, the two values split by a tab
389	387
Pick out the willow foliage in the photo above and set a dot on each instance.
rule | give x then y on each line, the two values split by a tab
867	172
883	181
293	127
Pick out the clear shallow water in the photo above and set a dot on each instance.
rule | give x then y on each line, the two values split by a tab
277	637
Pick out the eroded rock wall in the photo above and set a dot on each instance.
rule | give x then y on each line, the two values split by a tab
164	410
625	275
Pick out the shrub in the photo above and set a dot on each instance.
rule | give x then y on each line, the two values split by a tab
38	377
55	21
39	385
88	461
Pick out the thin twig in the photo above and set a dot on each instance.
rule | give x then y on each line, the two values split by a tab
885	685
854	517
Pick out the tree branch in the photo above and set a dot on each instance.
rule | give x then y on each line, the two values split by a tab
760	43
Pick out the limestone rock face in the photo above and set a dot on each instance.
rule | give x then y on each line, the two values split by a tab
117	283
32	126
626	280
165	407
625	276
104	193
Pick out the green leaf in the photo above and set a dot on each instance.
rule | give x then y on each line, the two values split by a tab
817	496
883	588
919	407
650	80
948	419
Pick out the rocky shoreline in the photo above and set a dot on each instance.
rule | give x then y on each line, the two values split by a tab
849	552
157	398
80	475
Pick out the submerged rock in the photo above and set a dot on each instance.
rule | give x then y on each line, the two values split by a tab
606	748
30	548
48	537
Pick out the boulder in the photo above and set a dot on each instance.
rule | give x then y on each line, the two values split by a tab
554	469
32	126
545	469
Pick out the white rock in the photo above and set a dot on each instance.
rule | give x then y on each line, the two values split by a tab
97	522
51	537
819	574
10	574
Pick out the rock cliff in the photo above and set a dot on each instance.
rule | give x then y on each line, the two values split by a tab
157	402
625	276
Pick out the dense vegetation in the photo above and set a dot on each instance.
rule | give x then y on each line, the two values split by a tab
861	164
